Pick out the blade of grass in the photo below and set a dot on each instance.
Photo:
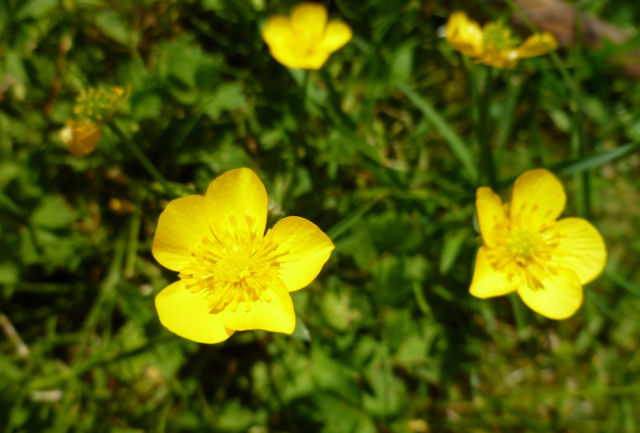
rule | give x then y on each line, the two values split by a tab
457	145
346	223
619	280
595	160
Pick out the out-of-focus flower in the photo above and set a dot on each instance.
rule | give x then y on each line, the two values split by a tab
494	44
99	104
93	108
305	39
233	276
121	206
527	250
80	138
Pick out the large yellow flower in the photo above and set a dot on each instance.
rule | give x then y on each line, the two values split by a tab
305	39
494	44
527	250
233	276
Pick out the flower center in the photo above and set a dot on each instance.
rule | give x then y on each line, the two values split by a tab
233	268
525	253
523	243
497	36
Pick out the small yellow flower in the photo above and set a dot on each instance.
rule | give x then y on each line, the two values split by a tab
80	138
233	276
305	39
494	44
527	250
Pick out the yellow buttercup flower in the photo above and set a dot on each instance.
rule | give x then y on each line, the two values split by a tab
494	44
527	250
80	138
305	39
233	276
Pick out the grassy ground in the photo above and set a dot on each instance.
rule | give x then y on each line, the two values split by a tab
380	148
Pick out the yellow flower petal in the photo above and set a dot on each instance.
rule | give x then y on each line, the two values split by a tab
181	225
336	35
503	59
491	215
308	249
187	314
559	298
580	248
488	281
80	138
537	45
464	35
273	311
538	197
277	31
237	201
308	21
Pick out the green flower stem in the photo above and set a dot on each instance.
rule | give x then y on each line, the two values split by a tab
142	159
334	100
305	88
518	311
487	166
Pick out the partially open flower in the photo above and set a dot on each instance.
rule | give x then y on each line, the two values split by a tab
233	275
305	39
80	138
527	250
494	44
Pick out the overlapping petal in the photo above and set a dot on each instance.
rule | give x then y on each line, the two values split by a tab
560	297
464	35
277	32
336	35
272	312
182	224
80	138
308	21
488	281
538	197
537	45
580	248
237	200
188	315
491	215
305	250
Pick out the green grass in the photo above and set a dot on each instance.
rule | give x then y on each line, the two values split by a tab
381	149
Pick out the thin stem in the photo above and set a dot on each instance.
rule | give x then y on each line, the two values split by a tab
334	100
305	88
518	311
488	170
142	159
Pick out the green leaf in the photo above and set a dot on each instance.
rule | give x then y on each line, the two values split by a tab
226	97
452	244
301	332
146	105
36	8
53	213
114	26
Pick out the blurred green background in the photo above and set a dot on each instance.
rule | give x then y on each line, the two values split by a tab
379	149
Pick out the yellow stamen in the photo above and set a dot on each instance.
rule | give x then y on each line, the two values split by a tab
233	269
